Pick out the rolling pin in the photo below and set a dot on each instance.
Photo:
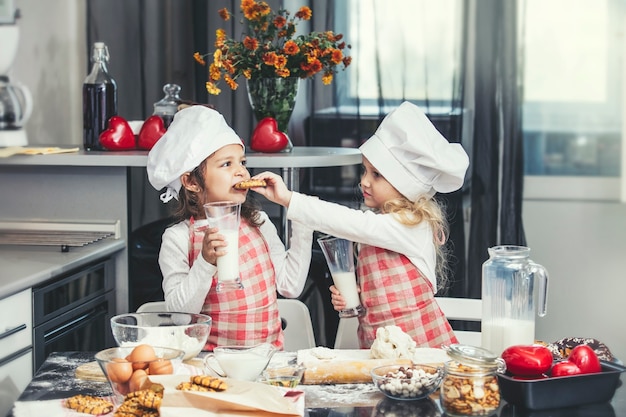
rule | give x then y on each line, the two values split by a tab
344	371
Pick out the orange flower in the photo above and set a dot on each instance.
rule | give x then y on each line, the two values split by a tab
304	13
327	78
199	58
291	48
224	14
336	56
280	21
250	43
212	88
280	61
231	83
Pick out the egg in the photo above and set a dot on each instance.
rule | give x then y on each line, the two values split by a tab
138	379
141	355
119	370
161	367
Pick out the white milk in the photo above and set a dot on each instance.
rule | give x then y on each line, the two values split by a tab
243	366
346	284
228	265
499	335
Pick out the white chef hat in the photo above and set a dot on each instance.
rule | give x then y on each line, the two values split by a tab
195	134
413	156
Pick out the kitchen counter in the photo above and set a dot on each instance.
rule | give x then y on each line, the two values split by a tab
299	157
23	267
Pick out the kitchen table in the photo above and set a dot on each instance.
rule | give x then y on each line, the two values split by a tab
55	379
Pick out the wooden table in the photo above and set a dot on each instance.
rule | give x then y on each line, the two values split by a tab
55	379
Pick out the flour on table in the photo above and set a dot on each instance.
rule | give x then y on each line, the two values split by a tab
392	342
322	352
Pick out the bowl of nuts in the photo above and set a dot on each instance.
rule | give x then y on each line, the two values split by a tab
407	382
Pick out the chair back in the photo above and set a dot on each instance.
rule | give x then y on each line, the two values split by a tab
298	329
464	309
152	306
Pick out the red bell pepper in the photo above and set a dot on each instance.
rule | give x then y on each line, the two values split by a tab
527	360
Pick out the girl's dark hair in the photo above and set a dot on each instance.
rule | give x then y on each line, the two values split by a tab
190	203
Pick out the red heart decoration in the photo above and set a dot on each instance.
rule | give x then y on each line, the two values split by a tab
151	131
119	136
267	138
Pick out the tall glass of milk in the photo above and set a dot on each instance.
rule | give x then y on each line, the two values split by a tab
514	291
225	215
339	254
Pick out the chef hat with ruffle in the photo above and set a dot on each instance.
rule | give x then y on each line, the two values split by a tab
195	134
413	156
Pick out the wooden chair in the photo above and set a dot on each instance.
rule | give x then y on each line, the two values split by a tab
463	309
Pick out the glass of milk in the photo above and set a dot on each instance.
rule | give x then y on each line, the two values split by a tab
339	254
225	215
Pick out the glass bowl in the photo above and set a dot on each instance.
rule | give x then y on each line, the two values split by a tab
288	376
128	368
239	362
185	331
407	382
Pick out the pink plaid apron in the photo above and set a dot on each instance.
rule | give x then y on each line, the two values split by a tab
394	292
248	316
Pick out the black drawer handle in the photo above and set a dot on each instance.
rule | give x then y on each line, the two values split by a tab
13	331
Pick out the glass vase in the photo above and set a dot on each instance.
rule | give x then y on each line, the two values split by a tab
273	97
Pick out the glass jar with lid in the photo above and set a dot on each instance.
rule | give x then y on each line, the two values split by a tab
470	385
168	105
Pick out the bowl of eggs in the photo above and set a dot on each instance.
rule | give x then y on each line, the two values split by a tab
128	368
407	382
185	331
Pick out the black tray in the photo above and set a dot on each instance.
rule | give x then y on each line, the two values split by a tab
559	392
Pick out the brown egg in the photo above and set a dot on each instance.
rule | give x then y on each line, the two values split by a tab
119	370
161	367
137	381
141	355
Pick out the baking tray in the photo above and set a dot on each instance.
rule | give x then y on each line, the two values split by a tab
560	392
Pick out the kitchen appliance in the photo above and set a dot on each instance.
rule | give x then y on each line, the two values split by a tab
514	289
16	102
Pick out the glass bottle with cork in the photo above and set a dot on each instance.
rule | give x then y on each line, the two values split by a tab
99	98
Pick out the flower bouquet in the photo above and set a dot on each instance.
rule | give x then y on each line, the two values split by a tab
270	49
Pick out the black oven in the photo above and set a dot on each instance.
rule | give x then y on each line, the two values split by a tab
72	312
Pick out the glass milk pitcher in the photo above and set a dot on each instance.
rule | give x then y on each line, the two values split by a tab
514	288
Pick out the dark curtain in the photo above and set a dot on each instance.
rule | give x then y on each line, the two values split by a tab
497	157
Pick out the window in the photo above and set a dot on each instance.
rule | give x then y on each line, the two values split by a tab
401	49
573	97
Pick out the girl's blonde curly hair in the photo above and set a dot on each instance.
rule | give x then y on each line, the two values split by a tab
412	213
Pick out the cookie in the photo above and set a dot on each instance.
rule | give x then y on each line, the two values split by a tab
244	185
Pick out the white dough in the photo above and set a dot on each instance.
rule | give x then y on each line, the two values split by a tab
391	342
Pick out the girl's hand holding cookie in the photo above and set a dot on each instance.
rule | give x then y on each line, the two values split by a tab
275	189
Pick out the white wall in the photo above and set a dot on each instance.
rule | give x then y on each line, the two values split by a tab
51	61
583	247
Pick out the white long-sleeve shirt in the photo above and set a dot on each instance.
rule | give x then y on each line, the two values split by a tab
186	288
381	230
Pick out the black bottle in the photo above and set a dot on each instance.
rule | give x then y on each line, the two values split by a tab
99	98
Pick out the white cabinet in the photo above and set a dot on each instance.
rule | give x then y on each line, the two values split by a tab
16	355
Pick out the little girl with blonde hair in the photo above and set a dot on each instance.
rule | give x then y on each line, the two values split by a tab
400	261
